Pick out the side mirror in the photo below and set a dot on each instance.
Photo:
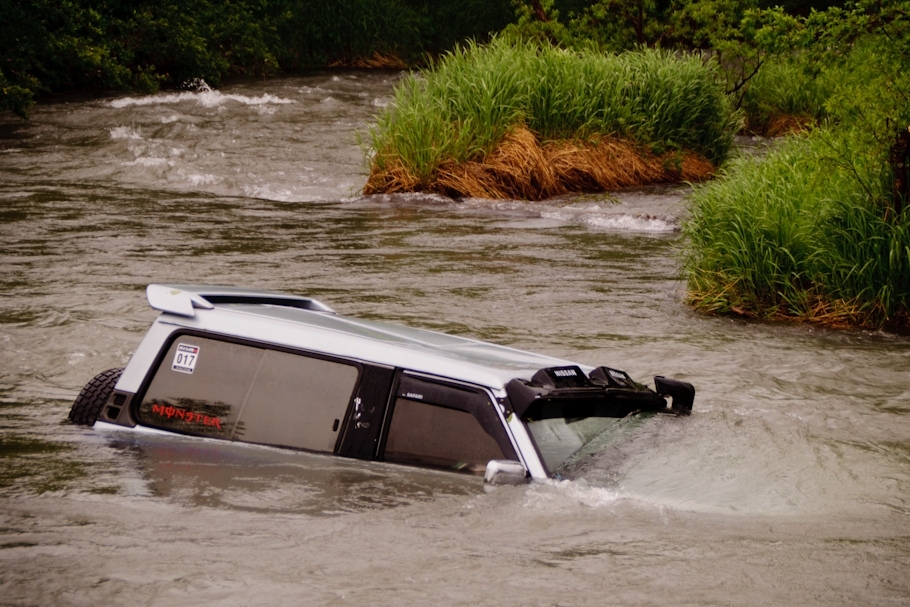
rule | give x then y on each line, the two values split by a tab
682	393
505	472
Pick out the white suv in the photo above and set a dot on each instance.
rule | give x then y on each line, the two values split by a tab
283	370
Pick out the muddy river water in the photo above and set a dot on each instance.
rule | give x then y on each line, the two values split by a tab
789	485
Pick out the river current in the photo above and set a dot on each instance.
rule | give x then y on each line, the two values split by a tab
789	484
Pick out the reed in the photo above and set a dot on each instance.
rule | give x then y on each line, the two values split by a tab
468	105
800	234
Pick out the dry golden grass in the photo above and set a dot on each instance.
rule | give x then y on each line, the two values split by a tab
376	60
521	167
779	125
834	314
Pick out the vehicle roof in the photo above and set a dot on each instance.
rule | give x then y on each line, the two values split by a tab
302	322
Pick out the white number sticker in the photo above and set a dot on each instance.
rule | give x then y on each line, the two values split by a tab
185	359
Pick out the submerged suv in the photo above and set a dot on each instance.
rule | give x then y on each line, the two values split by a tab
283	370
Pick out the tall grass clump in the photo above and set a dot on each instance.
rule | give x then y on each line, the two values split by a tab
786	95
820	229
514	111
801	234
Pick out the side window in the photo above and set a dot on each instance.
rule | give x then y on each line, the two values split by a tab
447	426
199	387
297	401
431	435
234	391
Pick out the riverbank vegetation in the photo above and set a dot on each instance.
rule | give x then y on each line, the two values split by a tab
819	230
49	47
622	77
578	96
529	120
806	233
758	70
785	97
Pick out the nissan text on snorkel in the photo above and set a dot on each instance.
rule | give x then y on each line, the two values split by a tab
283	370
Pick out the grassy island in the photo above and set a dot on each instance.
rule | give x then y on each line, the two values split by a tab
524	120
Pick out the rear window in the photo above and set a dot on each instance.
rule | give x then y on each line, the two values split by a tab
235	391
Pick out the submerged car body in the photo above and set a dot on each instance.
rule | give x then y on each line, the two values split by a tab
282	370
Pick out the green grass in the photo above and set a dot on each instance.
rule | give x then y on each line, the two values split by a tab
802	233
787	88
465	104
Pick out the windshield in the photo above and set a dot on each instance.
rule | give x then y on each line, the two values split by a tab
558	438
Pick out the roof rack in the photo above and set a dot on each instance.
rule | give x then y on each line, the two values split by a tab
183	300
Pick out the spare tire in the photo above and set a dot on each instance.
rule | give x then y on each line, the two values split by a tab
87	405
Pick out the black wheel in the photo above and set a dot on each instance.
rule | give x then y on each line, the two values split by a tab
87	405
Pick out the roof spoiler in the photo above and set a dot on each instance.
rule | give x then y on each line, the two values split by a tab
183	300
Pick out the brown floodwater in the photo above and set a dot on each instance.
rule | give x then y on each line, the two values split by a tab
789	485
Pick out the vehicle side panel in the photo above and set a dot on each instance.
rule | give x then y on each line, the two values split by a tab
144	357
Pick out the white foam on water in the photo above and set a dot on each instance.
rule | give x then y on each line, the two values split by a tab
633	223
625	222
499	205
267	193
125	132
552	495
196	179
204	98
144	161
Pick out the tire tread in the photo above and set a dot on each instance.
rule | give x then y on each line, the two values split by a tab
87	406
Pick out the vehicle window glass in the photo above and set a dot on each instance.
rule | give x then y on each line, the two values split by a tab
297	401
558	438
421	433
199	386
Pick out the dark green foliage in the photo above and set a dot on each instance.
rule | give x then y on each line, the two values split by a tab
49	46
319	32
445	24
787	93
16	98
